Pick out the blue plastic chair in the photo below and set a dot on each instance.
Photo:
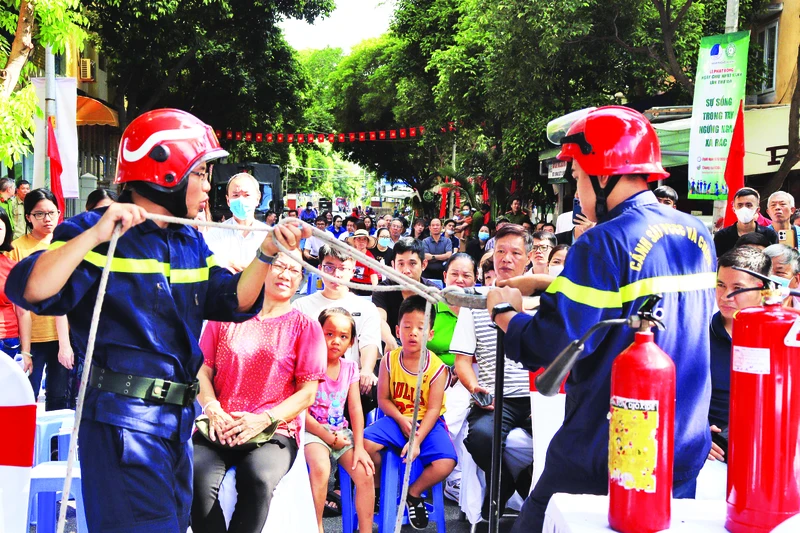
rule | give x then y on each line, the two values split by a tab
392	471
313	280
47	480
48	425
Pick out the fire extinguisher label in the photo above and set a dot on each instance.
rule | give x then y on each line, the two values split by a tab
751	360
632	447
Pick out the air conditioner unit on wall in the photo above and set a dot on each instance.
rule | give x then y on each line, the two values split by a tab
86	70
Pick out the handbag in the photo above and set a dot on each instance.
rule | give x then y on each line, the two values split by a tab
202	424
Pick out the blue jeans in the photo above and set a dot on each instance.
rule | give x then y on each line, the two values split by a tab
58	378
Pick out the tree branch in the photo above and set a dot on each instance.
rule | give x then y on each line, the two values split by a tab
21	48
793	154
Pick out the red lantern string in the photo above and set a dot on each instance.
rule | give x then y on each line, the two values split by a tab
363	136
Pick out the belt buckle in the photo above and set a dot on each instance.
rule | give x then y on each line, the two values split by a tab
159	391
192	391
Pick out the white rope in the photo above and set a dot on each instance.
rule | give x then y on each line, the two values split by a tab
73	442
431	294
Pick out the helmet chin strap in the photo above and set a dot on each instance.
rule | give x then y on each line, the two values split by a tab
601	195
173	201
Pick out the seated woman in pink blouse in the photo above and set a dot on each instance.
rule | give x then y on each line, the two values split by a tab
265	369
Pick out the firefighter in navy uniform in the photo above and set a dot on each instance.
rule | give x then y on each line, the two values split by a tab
638	248
136	459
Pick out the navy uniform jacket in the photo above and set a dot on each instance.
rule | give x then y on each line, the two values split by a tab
643	248
163	283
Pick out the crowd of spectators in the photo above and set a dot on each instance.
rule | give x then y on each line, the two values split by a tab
337	353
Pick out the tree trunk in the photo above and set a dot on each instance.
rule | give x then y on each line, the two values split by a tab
21	48
793	154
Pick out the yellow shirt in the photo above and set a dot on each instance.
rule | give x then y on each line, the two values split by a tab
403	382
43	328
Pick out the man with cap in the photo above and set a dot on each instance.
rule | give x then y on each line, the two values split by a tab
611	270
136	459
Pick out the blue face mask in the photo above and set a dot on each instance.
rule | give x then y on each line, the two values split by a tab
783	282
483	236
243	207
384	241
465	212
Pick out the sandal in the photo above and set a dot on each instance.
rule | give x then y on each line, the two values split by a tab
333	505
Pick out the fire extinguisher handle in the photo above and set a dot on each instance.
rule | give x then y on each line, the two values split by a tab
549	381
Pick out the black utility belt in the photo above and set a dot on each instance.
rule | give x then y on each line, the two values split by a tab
148	389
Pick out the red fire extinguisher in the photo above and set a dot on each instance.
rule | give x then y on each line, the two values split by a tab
641	435
642	423
764	436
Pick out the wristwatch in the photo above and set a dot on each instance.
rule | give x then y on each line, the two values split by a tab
264	258
499	309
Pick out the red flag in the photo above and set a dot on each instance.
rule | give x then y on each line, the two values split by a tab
55	167
321	137
352	137
300	138
412	132
229	135
248	136
734	169
362	136
290	137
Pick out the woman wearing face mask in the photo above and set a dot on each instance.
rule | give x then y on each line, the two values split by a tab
382	248
44	340
476	247
236	249
555	262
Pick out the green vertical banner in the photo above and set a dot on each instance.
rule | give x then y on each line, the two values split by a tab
718	88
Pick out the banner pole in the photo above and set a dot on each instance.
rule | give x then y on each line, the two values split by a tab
49	105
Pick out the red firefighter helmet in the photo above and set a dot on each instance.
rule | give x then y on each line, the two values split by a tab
613	141
160	147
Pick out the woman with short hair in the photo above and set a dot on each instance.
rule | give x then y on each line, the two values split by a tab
256	380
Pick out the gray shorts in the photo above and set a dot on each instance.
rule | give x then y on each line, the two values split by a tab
346	432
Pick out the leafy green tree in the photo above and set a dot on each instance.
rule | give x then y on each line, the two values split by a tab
225	61
24	25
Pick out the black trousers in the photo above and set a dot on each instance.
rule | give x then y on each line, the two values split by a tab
257	474
516	414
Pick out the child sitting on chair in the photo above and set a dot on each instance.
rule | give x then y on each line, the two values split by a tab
327	434
397	382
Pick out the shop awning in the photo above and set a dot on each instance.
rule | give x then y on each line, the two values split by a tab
91	112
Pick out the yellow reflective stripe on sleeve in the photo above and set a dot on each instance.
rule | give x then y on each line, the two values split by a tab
585	295
147	266
211	261
644	287
685	283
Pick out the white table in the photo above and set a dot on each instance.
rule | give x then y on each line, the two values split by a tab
581	513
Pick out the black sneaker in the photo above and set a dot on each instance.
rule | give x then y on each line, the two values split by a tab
417	513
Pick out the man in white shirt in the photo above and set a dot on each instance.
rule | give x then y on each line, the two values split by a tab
475	335
236	249
313	243
351	228
367	343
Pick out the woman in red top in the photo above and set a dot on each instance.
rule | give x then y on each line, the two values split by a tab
9	327
364	275
267	368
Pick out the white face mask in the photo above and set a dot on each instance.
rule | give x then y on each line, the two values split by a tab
745	215
556	270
